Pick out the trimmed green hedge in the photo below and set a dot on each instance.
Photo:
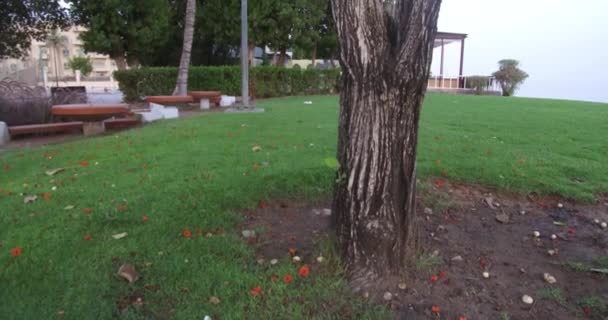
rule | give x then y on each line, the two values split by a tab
266	82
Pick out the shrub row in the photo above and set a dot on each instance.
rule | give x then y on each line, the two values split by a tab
265	82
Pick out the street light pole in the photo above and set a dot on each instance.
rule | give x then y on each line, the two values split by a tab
244	54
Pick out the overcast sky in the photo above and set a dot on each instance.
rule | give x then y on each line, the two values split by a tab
562	44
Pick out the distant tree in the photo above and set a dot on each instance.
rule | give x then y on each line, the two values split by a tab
221	21
54	41
478	83
127	31
181	87
82	64
509	76
315	33
24	20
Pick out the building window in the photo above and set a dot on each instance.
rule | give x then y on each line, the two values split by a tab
98	64
66	52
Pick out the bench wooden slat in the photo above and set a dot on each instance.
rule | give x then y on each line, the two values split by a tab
45	128
169	99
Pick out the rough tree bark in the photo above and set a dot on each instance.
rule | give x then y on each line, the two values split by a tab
181	87
386	49
121	61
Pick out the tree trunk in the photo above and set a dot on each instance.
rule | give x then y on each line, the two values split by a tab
314	55
121	61
181	87
251	54
55	56
385	53
282	57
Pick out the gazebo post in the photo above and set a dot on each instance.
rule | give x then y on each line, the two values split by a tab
442	57
461	73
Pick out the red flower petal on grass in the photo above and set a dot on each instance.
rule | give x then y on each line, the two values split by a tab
304	271
442	274
439	184
87	236
287	278
462	318
16	251
47	196
86	210
292	251
256	291
187	233
122	207
83	163
7	167
144	218
571	231
262	205
434	278
435	309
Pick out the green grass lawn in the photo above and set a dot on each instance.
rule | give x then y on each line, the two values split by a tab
196	173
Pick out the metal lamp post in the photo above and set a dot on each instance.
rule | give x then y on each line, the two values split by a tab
244	54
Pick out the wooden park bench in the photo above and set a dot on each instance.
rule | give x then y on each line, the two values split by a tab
205	98
169	99
91	115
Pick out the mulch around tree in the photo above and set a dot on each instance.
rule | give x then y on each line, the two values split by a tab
472	230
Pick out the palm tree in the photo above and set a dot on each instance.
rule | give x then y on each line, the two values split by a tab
181	87
54	41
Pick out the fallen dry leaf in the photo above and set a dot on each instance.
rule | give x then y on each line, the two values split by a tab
53	172
214	300
128	272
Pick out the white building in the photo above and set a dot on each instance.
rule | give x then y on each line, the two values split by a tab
44	56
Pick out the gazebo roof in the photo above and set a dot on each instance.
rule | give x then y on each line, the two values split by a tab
448	37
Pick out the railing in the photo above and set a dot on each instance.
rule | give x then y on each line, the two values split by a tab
459	82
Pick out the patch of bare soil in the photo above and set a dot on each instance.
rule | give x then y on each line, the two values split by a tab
282	225
476	230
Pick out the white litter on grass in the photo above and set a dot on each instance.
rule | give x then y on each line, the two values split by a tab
307	102
120	235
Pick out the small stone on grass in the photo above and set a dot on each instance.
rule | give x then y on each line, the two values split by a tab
248	233
527	299
549	278
388	296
